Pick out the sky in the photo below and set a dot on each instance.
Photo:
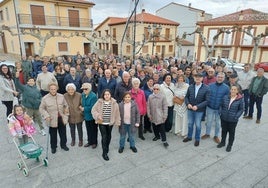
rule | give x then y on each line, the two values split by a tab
123	8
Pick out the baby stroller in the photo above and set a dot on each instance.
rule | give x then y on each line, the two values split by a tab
27	151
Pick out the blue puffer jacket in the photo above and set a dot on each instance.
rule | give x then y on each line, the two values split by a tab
147	91
217	92
88	102
200	100
232	113
102	85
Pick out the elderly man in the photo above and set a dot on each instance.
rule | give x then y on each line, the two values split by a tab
73	78
54	109
257	89
122	87
196	101
106	82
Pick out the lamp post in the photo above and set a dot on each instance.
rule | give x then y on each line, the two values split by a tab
154	31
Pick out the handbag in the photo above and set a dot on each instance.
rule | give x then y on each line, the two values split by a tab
178	100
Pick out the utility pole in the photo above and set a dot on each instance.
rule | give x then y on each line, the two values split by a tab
134	33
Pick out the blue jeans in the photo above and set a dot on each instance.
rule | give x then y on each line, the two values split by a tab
211	114
194	118
258	100
127	128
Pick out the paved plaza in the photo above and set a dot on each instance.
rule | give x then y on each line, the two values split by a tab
181	165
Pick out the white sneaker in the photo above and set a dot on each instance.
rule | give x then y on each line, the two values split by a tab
42	132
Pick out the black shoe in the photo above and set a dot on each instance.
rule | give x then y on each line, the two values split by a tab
105	157
187	139
165	144
196	143
65	148
127	139
229	148
134	149
121	150
150	131
53	151
156	138
142	137
220	145
144	131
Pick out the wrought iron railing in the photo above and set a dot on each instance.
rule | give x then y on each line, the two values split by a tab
54	21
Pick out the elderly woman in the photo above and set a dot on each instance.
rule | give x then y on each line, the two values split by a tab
89	98
54	109
167	88
157	111
139	97
180	109
73	100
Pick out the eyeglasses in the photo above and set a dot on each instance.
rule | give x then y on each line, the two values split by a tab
85	88
156	89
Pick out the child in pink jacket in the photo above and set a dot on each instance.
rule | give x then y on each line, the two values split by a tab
20	124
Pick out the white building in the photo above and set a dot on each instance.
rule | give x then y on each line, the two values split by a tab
187	16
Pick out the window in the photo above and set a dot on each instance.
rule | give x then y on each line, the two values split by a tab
128	49
145	49
265	41
146	33
170	48
106	32
212	33
99	33
247	39
1	16
107	46
38	15
227	39
167	34
158	48
63	46
74	18
100	46
7	14
114	33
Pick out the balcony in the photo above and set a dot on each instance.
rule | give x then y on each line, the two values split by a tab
28	19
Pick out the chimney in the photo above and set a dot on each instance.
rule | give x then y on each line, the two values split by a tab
189	5
143	10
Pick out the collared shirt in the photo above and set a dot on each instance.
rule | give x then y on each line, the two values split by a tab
197	87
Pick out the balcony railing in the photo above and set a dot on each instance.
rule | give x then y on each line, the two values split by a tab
54	21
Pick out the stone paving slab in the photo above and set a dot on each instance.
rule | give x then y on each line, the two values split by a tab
181	165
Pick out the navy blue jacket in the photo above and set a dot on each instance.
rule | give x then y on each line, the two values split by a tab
120	89
200	100
77	81
102	85
147	91
217	92
232	113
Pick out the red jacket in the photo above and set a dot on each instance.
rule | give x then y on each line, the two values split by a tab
139	98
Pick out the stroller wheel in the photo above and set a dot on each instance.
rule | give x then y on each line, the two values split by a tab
45	162
25	172
19	165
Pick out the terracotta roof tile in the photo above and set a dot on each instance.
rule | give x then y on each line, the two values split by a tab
79	1
145	18
187	43
242	16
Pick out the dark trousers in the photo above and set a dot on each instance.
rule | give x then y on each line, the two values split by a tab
169	120
228	127
92	132
147	123
141	126
252	100
106	135
159	130
79	129
9	106
62	133
246	100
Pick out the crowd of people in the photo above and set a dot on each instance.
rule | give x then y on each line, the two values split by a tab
149	94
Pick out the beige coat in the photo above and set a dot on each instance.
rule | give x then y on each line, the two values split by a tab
51	106
74	101
115	114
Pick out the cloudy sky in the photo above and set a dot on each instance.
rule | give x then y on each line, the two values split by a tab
123	8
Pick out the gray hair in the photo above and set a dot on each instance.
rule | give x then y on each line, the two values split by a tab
70	85
135	80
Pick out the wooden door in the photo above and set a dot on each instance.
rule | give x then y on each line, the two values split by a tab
115	49
28	48
87	48
38	15
74	18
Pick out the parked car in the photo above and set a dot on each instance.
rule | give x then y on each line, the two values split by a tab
263	65
231	64
10	64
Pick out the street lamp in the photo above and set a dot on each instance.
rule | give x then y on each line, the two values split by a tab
154	31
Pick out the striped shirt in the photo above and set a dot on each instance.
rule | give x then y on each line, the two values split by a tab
106	112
